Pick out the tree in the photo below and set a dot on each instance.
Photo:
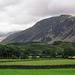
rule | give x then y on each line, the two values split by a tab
53	52
69	51
57	42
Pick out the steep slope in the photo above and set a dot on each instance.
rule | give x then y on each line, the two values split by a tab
5	35
48	30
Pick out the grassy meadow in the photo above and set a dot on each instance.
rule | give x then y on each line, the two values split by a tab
37	62
37	72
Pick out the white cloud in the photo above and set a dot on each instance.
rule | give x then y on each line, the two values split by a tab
62	7
21	14
6	27
5	3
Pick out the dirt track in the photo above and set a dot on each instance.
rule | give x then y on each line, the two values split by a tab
35	67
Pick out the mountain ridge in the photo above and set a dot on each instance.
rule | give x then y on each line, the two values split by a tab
47	30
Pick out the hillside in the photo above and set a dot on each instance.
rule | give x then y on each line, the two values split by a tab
47	30
4	35
24	50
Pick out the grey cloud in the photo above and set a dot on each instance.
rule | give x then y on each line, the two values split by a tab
62	7
30	11
27	12
36	9
39	8
52	7
5	3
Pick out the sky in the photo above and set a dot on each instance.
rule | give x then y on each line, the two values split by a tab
21	14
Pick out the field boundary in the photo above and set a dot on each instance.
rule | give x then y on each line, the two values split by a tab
35	66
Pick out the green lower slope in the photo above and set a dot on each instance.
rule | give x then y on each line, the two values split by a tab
34	49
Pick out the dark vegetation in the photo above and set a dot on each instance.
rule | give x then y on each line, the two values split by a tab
33	50
35	67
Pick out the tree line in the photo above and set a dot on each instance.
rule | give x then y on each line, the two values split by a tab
14	52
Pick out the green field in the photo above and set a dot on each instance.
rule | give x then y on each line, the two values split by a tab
38	62
15	60
37	72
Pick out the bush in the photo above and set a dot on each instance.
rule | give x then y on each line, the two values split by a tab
34	57
66	56
14	57
57	42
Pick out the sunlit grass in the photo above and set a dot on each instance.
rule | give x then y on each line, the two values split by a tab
37	72
41	62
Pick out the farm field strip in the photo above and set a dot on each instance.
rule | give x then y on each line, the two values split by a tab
41	62
17	60
37	72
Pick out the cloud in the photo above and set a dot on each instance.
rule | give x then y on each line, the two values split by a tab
6	27
33	10
62	7
21	14
28	11
5	3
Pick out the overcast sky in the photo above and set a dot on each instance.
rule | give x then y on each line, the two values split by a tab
21	14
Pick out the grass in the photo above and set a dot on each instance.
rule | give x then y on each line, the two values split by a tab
73	56
14	60
37	72
41	62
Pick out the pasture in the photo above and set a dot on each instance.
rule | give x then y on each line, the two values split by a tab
37	72
36	62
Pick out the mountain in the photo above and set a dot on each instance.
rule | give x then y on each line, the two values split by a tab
1	38
5	35
47	30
